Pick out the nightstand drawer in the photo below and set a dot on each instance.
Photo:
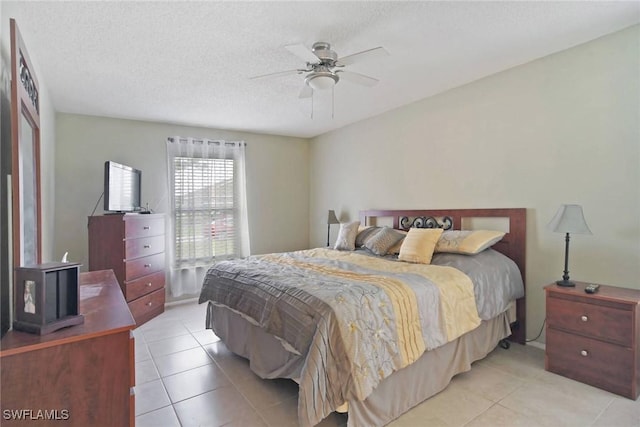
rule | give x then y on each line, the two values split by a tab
606	323
590	361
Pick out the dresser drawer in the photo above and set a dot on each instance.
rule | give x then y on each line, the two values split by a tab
594	362
139	267
143	246
144	305
143	226
606	323
144	285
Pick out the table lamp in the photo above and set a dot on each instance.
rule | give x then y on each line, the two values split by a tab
331	219
568	219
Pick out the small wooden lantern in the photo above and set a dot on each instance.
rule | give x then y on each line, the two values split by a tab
47	297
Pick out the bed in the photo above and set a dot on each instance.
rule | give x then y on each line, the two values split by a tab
370	334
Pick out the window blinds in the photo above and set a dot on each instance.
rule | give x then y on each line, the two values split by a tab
204	207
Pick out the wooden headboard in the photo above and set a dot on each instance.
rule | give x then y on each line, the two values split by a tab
513	244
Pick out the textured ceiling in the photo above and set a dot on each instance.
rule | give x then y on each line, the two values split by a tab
190	62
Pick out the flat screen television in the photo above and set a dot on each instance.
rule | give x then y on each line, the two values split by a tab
121	187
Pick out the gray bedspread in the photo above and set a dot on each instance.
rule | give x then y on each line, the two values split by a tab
357	319
496	279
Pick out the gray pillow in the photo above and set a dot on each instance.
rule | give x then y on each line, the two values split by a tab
346	240
383	240
365	234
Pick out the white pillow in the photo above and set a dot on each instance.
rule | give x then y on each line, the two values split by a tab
346	240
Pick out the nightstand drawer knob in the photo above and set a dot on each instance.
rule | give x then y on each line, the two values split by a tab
150	304
584	318
584	353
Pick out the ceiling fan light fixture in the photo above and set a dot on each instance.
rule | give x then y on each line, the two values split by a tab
321	80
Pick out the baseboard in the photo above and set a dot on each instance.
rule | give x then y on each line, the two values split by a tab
181	301
537	344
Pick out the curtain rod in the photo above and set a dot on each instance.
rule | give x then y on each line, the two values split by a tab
208	141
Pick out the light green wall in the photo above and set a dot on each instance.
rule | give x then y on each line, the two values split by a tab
562	129
277	178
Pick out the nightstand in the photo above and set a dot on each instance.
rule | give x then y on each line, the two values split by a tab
593	338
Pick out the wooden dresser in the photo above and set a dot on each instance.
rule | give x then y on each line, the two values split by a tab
594	338
132	245
77	376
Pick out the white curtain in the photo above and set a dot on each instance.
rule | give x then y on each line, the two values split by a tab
208	204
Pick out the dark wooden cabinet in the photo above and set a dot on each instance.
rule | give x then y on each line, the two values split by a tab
132	245
46	297
77	376
593	338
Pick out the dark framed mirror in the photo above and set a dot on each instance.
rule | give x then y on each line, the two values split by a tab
25	151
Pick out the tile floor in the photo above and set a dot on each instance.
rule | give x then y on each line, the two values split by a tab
185	377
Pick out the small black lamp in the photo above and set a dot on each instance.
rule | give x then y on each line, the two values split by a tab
331	219
568	219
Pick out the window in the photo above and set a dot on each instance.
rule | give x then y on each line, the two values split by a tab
208	202
204	209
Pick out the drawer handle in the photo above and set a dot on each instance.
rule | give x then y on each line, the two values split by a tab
147	246
584	353
146	227
584	318
149	284
147	265
149	304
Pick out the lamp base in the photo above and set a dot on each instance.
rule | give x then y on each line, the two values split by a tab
565	283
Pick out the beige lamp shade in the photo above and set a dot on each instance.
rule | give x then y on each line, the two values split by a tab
569	219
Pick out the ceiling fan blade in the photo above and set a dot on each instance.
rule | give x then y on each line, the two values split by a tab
276	74
302	52
357	78
365	55
306	92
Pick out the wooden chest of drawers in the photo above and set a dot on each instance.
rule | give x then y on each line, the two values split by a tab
82	375
593	338
132	245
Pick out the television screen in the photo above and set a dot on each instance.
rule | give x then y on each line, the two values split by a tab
121	188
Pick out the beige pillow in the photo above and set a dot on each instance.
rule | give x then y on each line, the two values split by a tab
419	244
468	242
346	240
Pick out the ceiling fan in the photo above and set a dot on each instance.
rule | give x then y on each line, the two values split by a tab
324	68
